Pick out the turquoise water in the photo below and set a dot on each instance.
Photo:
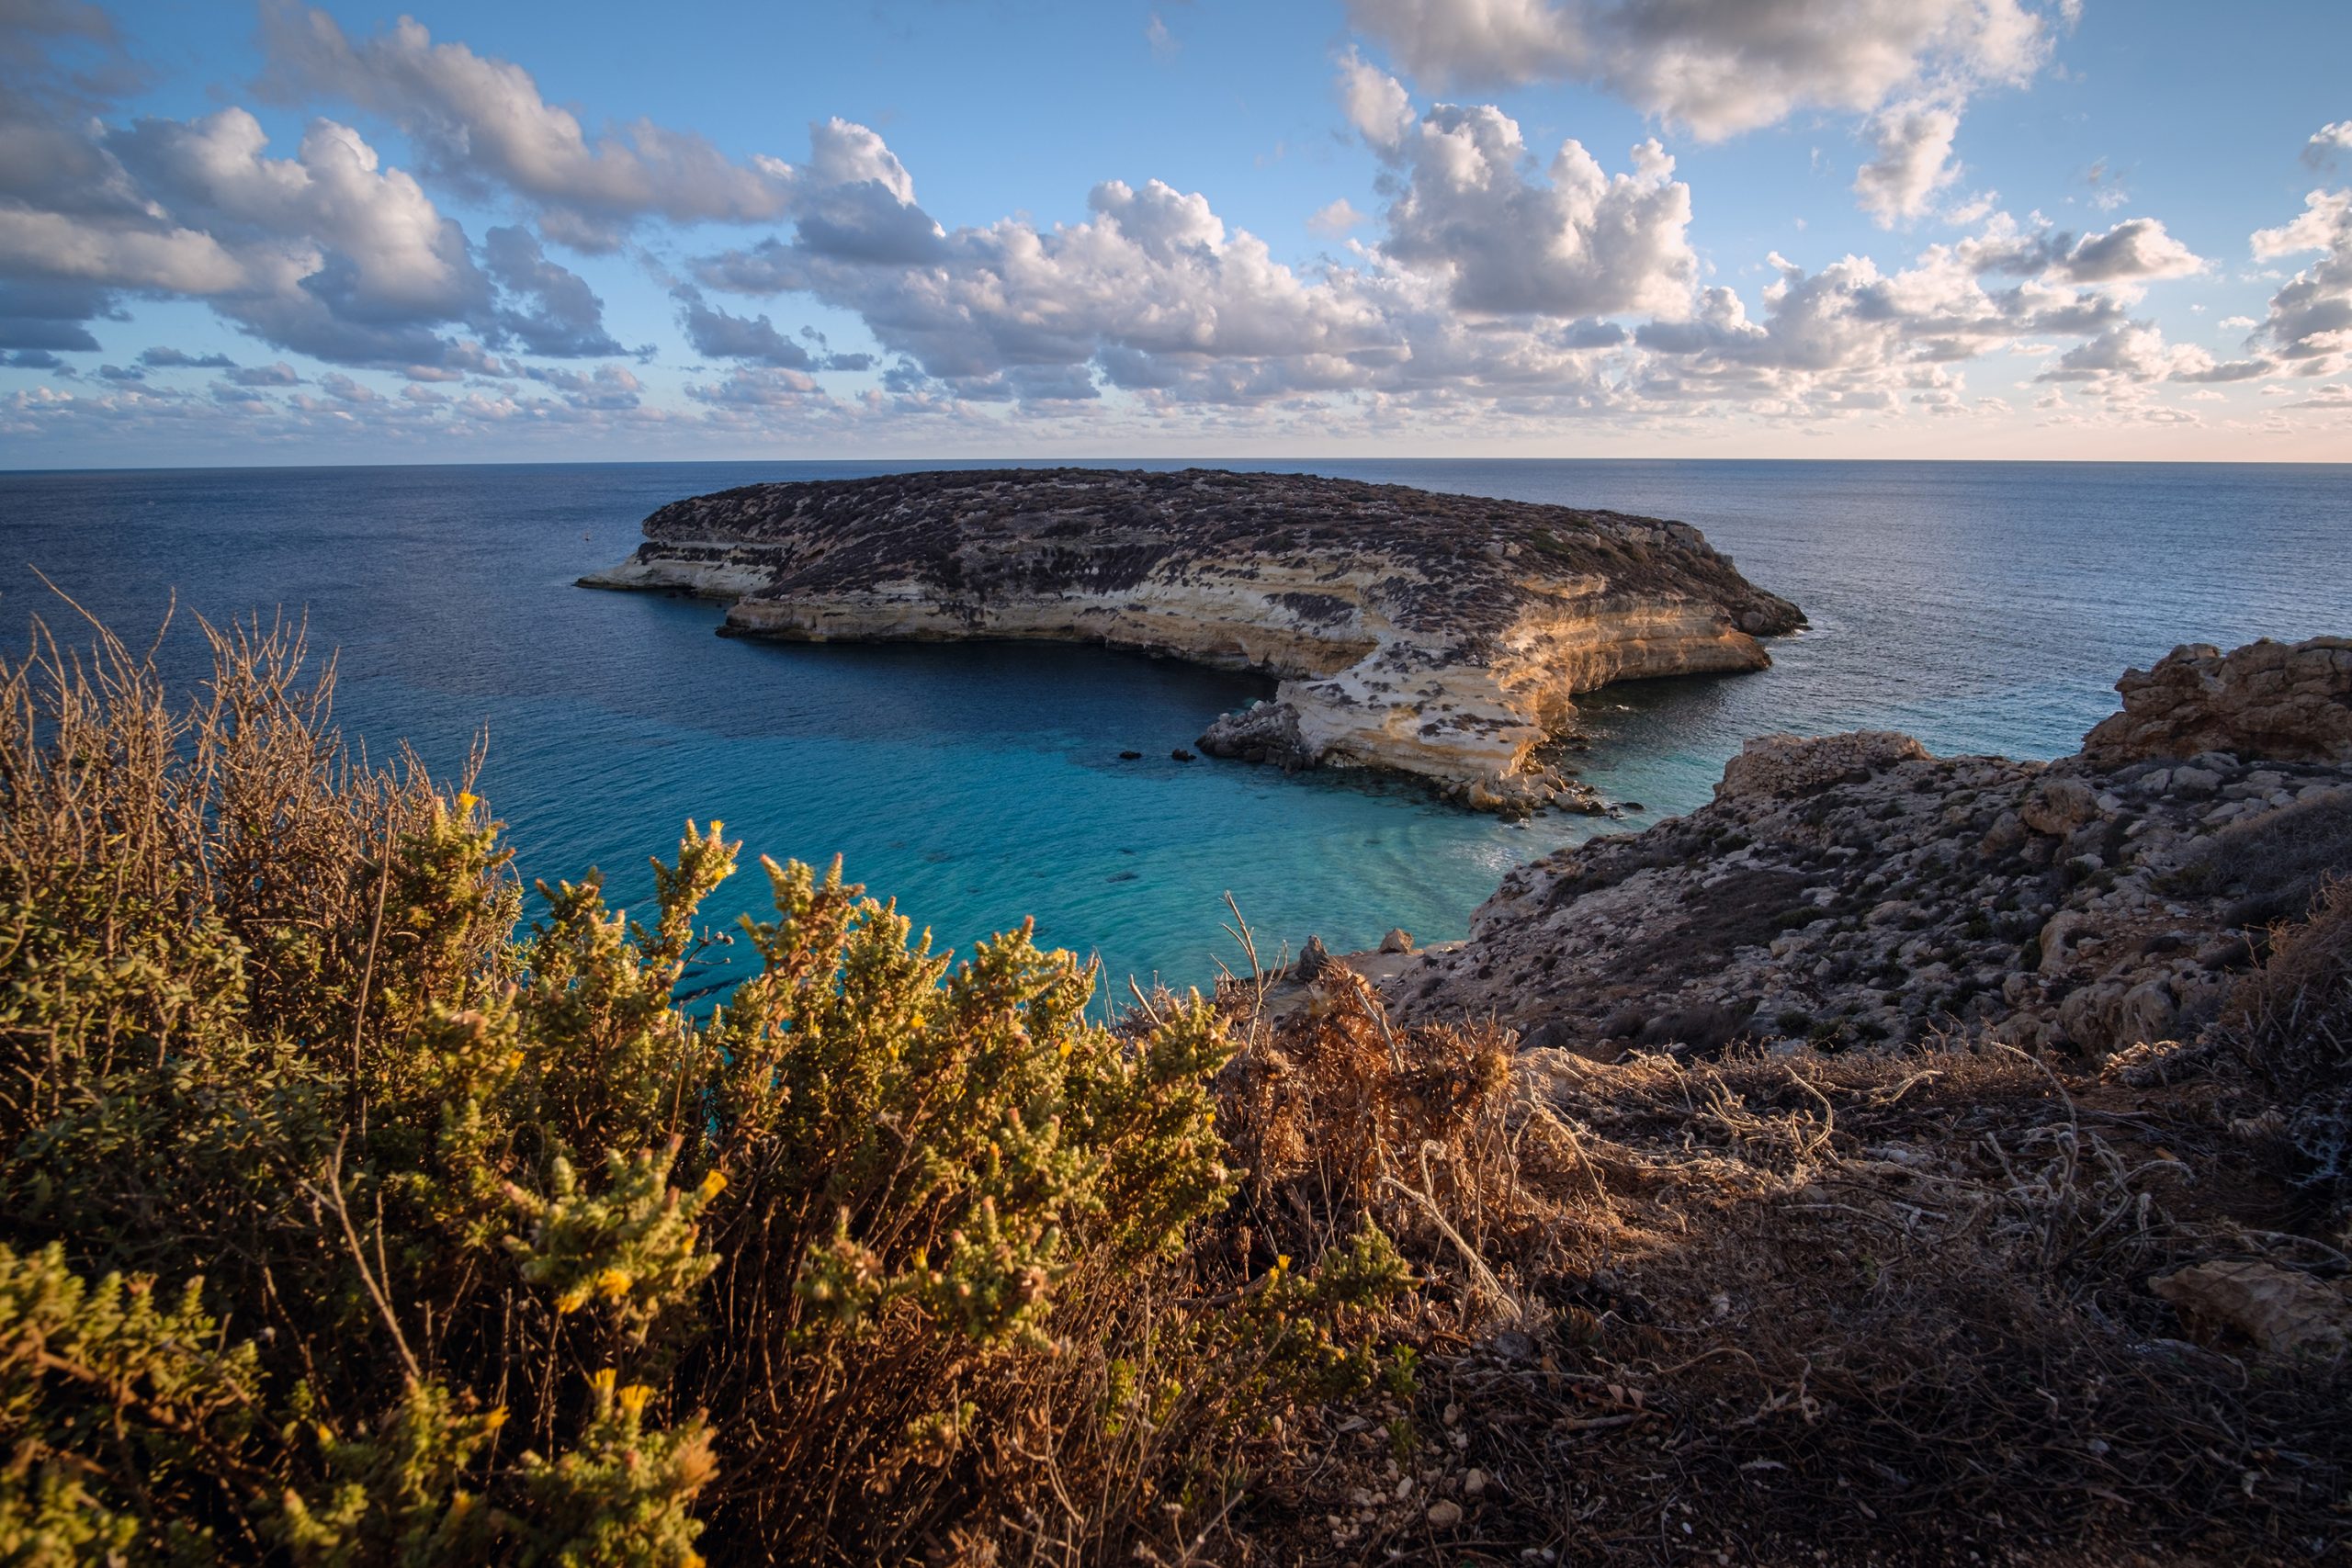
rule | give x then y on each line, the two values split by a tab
1980	606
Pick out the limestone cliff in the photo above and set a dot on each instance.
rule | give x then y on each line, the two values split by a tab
1854	889
1438	636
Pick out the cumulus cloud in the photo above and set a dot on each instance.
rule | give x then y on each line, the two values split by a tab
2327	143
482	122
1721	67
2309	321
1718	67
550	308
1574	240
2137	249
328	253
1152	276
1912	160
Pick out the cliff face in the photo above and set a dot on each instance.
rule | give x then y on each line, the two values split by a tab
1444	637
1853	889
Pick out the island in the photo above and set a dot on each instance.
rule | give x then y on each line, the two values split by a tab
1443	637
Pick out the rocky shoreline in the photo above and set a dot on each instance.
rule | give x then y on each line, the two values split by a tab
1853	889
1438	636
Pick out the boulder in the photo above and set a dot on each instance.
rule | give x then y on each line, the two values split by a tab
1396	940
1789	764
2058	806
2280	701
2281	1311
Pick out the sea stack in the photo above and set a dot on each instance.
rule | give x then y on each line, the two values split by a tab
1439	637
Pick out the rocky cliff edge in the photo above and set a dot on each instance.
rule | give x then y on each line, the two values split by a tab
1853	888
1443	636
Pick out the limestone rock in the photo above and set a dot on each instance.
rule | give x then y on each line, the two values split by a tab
1440	636
2280	701
1854	890
1396	940
1787	764
2058	806
2282	1311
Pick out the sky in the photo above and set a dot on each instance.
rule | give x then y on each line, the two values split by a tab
2112	229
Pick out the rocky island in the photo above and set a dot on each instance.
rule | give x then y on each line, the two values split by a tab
1439	637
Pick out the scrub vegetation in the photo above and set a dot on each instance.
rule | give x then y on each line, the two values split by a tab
356	1209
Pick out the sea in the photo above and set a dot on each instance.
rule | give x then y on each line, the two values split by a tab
1984	607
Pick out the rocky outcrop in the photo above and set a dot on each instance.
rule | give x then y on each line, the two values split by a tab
2285	701
1853	889
1444	637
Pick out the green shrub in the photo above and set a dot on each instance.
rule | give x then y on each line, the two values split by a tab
481	1249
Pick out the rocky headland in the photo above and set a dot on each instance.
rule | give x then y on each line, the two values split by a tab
1440	636
1853	889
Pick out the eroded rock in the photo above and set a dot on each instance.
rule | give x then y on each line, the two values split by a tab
2286	701
1443	636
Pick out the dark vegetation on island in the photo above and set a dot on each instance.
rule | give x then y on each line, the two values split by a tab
347	1217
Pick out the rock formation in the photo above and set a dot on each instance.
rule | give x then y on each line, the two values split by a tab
1438	635
1853	888
2268	699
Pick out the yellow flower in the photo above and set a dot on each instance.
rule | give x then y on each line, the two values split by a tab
466	801
494	1418
605	1378
572	1300
614	1283
713	1185
633	1398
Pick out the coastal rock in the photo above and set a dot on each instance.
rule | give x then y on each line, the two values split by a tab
1855	889
1787	764
1436	635
2284	702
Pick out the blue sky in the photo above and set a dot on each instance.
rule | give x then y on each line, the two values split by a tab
918	227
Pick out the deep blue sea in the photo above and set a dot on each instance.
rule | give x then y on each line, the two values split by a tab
1982	607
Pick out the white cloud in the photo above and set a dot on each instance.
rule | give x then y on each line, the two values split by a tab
2311	315
1719	67
1914	146
482	120
1335	218
1575	241
2327	143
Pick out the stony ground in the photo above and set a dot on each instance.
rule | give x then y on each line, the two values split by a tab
1853	889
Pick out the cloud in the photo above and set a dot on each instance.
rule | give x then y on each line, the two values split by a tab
483	122
1575	241
1721	67
1152	274
32	359
2328	142
343	389
2137	249
46	315
2310	319
550	308
1335	218
180	359
1718	67
279	375
609	387
718	335
328	253
1914	160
